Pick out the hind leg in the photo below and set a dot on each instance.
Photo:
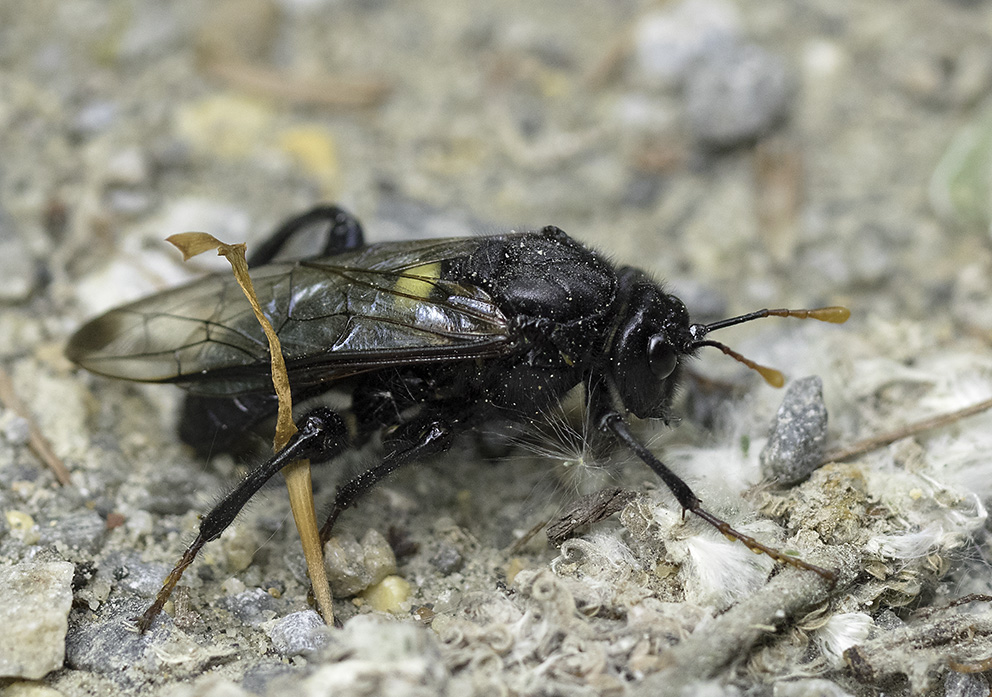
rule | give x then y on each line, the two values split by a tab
321	436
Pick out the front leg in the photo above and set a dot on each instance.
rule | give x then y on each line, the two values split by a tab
608	419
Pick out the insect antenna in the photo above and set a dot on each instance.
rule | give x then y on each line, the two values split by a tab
834	314
772	376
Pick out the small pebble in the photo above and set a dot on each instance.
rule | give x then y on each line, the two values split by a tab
797	440
253	607
239	544
13	428
83	531
389	595
127	167
233	586
299	633
18	272
737	95
447	559
23	527
94	117
668	42
35	599
353	567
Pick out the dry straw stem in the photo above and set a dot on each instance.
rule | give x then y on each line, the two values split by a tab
884	439
36	441
297	474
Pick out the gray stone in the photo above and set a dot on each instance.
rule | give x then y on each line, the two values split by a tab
132	575
965	685
18	271
447	559
254	606
736	95
113	646
669	41
82	531
110	646
13	428
299	633
35	599
95	117
797	440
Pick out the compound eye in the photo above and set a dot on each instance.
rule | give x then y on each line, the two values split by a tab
661	357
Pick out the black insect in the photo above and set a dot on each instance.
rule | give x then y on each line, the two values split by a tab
426	338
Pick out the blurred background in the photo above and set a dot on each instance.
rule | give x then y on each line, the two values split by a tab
761	154
779	153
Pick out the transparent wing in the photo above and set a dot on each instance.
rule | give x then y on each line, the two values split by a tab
384	305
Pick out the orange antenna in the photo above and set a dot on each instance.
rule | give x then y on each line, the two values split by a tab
834	314
772	377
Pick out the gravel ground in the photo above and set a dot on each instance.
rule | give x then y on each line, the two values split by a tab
752	155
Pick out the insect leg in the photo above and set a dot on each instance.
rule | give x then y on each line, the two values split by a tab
345	233
609	420
321	435
415	440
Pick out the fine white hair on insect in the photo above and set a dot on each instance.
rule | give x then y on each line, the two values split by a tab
567	439
841	632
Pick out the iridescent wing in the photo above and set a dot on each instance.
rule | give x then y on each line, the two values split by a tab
384	305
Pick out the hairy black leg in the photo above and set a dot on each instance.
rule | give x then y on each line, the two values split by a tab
322	435
610	420
414	441
344	233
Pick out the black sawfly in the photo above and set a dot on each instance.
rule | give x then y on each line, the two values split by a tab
427	339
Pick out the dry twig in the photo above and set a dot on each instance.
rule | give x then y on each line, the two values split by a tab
36	441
